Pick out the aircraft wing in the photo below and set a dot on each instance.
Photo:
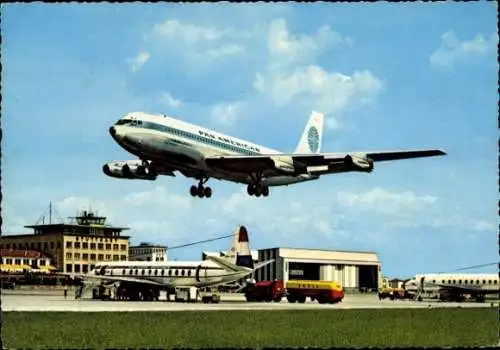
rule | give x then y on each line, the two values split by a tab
316	164
111	278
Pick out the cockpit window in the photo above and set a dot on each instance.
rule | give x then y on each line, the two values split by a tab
129	122
123	122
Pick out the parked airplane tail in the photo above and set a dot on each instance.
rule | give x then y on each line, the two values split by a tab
310	141
243	252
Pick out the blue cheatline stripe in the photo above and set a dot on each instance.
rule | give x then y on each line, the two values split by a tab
198	138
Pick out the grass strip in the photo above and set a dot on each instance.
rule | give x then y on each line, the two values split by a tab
469	327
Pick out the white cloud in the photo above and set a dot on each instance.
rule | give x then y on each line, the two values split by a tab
197	44
225	50
315	88
292	77
139	61
286	47
452	49
191	34
402	207
226	114
168	100
482	225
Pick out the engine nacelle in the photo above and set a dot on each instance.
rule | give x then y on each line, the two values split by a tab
129	169
284	164
363	163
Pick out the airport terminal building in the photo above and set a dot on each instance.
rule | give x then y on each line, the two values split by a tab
356	271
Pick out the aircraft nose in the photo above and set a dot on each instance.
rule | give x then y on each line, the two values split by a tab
112	131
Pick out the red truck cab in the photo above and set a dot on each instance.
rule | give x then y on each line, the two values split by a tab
265	291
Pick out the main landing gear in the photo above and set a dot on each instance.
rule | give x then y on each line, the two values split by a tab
258	190
200	190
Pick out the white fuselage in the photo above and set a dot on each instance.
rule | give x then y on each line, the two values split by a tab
171	273
481	283
183	146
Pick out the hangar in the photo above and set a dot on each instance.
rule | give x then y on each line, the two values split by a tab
357	271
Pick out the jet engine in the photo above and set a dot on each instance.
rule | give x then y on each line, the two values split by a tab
129	169
362	163
284	164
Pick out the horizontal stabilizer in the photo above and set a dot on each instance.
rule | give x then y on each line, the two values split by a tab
262	264
227	265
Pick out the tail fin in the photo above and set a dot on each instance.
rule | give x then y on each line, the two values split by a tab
243	252
310	142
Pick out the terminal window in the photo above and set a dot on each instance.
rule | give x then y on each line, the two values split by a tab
85	245
100	246
92	245
77	246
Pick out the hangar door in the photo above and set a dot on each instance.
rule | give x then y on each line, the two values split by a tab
303	271
368	277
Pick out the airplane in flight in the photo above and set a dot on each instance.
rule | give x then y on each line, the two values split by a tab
165	145
453	287
149	277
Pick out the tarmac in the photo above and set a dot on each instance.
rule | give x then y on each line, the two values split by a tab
40	301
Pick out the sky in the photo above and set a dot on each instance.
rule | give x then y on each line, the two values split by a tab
386	75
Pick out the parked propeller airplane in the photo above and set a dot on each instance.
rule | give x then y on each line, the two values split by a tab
164	145
147	276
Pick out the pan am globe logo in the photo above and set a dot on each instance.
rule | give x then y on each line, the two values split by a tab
313	139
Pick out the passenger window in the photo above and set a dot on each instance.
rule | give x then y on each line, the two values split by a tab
189	272
459	281
489	281
163	272
130	272
149	272
156	272
495	282
143	272
123	272
484	281
182	272
177	272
